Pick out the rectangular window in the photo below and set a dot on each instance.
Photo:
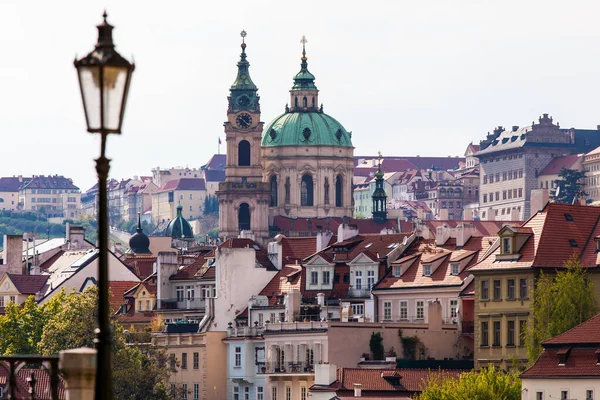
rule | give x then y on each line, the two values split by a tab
370	279
173	390
426	270
510	333
288	393
325	277
246	392
454	269
485	333
238	357
497	177
358	309
397	271
492	178
314	278
173	361
260	393
148	305
453	308
564	395
485	179
183	360
1	301
420	309
497	289
387	311
358	280
184	391
522	332
196	391
485	290
496	333
196	360
520	173
236	393
274	393
261	321
504	195
303	393
522	288
179	292
504	176
589	395
404	310
539	395
485	198
520	192
497	196
510	289
273	319
191	196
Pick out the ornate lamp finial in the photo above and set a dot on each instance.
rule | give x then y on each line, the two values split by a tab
303	41
379	158
243	35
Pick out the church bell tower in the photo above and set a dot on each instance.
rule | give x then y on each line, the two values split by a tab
243	197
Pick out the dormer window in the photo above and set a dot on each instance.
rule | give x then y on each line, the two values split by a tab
397	271
427	270
506	245
563	354
597	240
454	269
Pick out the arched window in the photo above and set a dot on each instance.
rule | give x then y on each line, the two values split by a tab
295	102
244	153
274	191
313	102
338	191
304	102
306	191
244	217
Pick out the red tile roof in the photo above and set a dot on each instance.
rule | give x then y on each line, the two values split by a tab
28	284
298	248
283	282
117	290
558	163
190	271
383	381
183	184
141	265
580	363
12	184
587	332
321	224
482	228
262	257
50	182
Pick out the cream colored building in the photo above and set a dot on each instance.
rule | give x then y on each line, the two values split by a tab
9	192
55	195
198	363
549	175
189	192
591	164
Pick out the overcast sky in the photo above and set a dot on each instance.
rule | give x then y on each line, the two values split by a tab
407	77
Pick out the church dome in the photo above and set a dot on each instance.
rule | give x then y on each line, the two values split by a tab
139	243
305	129
179	228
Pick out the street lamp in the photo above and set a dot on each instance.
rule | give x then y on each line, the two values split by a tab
104	78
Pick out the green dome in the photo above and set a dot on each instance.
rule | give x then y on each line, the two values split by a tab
305	129
179	228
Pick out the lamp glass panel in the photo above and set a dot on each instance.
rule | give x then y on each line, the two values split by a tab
90	93
114	82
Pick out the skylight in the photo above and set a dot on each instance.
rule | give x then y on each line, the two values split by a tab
393	246
369	245
255	246
573	242
569	217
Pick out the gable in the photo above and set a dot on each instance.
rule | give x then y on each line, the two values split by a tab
318	261
362	259
7	286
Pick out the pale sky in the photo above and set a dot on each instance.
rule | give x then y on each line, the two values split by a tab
406	77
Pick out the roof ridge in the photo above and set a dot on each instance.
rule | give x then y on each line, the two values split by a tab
573	328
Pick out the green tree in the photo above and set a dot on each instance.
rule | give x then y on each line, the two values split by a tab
67	321
376	346
570	185
487	384
560	302
211	205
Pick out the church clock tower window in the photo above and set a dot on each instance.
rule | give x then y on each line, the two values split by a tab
244	153
338	191
306	191
244	217
274	191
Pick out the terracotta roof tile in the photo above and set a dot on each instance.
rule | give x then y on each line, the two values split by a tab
28	284
581	362
555	166
587	332
117	291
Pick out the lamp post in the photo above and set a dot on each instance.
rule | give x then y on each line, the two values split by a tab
104	78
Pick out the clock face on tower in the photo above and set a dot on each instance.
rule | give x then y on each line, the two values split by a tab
243	120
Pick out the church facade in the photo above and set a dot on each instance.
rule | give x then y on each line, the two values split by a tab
299	165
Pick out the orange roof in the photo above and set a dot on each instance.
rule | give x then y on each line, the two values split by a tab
557	232
117	290
556	165
288	278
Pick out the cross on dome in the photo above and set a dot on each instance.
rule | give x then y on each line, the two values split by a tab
303	41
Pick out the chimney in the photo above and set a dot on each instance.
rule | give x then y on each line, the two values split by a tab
442	234
13	255
443	214
357	390
346	231
539	199
293	304
275	251
75	237
321	299
323	239
464	231
325	374
166	266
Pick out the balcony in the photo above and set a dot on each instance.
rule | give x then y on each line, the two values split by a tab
244	331
285	327
359	292
194	303
298	367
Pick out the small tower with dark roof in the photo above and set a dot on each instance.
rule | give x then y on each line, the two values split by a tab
379	197
139	243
